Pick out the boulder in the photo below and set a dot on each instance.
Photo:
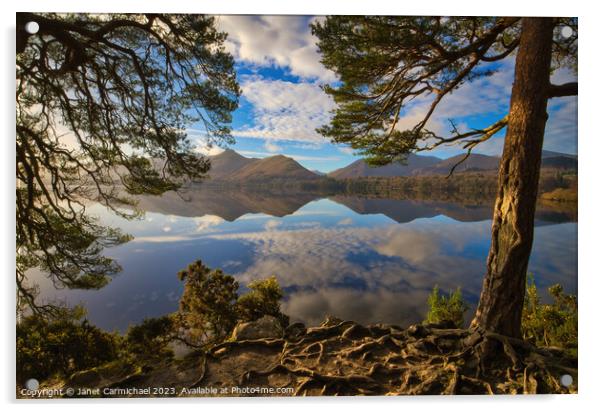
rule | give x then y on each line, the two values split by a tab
267	327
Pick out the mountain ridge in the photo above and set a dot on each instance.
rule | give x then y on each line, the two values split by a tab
230	166
360	168
475	162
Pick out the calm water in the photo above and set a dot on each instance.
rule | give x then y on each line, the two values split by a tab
369	260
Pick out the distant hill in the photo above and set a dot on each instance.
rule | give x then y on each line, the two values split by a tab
418	165
360	168
231	166
559	162
273	167
473	163
555	160
226	163
548	153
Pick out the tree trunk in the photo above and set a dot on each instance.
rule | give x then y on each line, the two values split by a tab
501	303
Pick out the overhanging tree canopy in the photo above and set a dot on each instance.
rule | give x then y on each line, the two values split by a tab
384	63
387	62
103	102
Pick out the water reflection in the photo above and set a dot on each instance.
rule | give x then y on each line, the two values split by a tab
369	260
230	205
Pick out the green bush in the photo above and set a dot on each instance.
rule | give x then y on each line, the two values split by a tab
446	308
207	310
210	306
262	299
550	324
59	347
150	338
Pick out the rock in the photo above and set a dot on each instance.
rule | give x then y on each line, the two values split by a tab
268	327
85	378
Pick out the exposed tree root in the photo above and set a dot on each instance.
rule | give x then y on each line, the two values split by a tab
349	359
344	358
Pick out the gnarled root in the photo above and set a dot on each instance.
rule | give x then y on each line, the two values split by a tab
349	359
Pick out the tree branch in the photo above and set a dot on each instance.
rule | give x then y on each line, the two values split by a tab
562	90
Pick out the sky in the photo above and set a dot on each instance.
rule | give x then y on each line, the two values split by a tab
280	74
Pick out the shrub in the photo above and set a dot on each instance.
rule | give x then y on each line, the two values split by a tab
207	310
446	308
550	324
48	347
150	338
262	299
210	306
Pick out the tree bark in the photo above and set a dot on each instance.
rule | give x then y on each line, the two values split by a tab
501	303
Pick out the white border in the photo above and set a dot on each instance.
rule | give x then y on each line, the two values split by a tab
590	152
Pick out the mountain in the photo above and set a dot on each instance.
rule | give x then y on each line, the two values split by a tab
555	160
559	162
474	162
226	204
548	153
226	163
360	168
273	167
231	166
429	165
480	162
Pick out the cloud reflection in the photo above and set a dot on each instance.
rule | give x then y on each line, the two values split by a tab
385	274
328	258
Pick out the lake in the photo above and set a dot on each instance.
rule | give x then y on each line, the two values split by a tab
361	259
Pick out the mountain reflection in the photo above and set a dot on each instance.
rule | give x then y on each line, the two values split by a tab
232	204
227	204
363	259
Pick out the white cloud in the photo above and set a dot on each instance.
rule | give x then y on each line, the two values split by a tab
563	75
490	96
561	128
345	222
285	111
284	41
251	153
272	224
292	111
309	145
203	144
206	222
316	262
209	150
484	96
271	147
346	150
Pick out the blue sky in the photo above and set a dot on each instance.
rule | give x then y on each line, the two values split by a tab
280	74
